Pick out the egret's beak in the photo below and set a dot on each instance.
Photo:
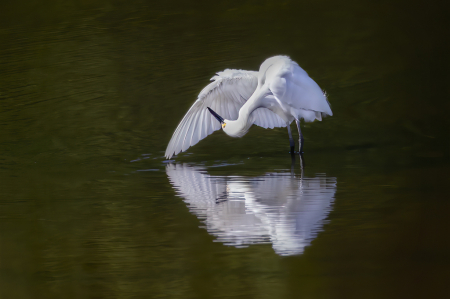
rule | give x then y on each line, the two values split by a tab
217	116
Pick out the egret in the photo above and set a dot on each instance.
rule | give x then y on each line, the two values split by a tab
278	94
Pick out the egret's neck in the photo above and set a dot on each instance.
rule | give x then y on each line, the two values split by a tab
245	112
245	121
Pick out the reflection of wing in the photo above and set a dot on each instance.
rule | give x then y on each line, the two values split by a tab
197	188
296	208
222	209
277	208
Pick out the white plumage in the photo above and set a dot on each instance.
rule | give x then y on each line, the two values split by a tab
278	94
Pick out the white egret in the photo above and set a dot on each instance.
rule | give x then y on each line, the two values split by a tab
278	94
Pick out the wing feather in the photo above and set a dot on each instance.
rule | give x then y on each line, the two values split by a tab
267	119
223	95
226	95
295	88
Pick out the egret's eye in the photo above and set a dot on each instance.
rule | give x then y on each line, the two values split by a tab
224	125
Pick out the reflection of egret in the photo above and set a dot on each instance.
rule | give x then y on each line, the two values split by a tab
278	94
275	208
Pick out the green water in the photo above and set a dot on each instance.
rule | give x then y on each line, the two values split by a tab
91	92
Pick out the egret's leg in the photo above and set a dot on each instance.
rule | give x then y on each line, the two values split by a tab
302	165
300	141
302	162
300	137
291	140
292	164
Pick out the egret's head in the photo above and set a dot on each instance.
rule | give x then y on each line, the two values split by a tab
222	121
231	127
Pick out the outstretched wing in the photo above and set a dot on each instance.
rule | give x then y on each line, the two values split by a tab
227	93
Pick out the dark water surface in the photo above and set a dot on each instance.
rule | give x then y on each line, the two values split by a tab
91	91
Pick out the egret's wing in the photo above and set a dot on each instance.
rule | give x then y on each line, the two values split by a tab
294	87
267	119
227	93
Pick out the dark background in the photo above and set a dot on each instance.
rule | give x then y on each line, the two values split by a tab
91	91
